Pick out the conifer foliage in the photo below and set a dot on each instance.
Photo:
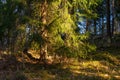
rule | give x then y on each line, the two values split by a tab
46	26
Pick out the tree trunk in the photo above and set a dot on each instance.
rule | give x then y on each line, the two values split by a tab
108	19
102	26
113	17
43	52
95	28
87	24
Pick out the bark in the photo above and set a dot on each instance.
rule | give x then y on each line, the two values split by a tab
87	24
113	17
43	52
102	26
95	29
108	19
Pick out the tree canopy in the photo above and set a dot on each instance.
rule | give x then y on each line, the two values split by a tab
56	27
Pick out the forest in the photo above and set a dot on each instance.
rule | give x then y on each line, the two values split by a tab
59	40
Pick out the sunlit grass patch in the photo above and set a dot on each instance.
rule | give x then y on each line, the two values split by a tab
103	70
107	57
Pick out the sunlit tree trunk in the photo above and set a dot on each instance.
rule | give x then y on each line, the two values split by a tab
43	52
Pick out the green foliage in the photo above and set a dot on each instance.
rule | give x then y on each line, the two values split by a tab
88	7
37	38
84	36
64	51
62	32
85	47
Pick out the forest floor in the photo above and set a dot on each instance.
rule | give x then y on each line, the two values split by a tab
102	65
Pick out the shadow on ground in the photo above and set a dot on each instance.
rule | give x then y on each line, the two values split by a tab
104	65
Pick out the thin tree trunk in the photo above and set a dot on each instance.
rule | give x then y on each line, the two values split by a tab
108	19
113	17
95	28
87	24
102	26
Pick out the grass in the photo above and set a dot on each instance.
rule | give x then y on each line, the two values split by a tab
103	65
